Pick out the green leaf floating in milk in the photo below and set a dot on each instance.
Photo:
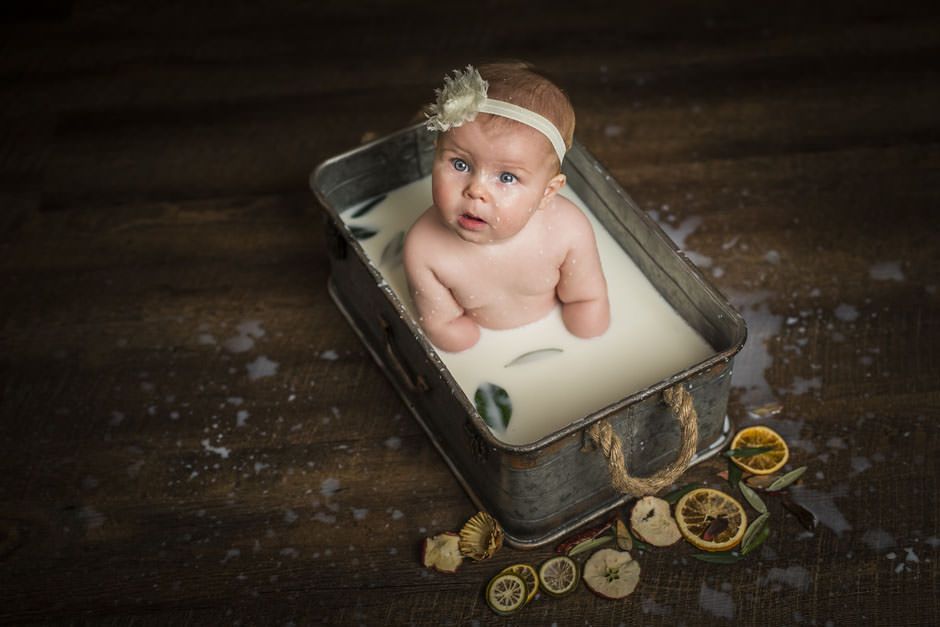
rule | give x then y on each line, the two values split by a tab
366	208
391	255
494	405
535	355
361	232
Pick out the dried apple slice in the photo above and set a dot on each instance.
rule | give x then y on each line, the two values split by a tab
611	574
442	552
652	521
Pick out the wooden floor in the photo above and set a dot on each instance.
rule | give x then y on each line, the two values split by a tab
192	434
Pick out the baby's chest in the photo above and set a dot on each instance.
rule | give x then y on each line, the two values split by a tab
489	283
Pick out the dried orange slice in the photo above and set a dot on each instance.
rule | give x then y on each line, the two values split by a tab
711	520
759	437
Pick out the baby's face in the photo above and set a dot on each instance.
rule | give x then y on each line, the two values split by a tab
489	179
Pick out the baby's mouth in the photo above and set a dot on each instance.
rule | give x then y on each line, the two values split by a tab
471	222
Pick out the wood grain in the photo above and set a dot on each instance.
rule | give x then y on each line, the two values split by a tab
192	434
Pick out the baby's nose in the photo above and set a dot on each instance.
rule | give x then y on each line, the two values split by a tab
476	189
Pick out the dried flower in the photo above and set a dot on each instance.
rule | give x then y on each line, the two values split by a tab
480	537
458	101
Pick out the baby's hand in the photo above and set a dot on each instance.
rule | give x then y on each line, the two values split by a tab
454	336
444	321
587	318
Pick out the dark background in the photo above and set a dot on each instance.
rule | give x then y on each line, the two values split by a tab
158	241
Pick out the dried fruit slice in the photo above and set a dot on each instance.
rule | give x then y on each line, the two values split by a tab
506	593
653	522
611	574
442	552
710	519
559	575
624	539
760	436
528	575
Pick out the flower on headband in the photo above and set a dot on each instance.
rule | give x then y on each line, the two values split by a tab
458	101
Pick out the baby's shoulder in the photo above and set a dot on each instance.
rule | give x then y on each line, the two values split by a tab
567	215
425	239
417	233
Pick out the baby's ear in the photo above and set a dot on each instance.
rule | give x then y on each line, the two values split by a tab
554	185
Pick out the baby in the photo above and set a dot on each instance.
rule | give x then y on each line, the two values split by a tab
499	247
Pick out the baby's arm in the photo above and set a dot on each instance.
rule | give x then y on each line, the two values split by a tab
582	289
443	319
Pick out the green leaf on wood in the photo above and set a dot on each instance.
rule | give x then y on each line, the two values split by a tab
533	356
494	405
734	474
786	479
747	451
586	545
756	533
721	557
638	544
673	497
752	497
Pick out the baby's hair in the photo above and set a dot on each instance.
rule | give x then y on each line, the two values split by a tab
517	82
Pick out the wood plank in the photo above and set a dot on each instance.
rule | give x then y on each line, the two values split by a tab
193	434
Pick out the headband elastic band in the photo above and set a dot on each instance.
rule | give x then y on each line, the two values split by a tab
529	118
464	95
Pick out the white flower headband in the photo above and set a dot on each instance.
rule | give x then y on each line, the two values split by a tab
464	96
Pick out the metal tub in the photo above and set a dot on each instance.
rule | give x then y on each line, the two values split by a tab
543	490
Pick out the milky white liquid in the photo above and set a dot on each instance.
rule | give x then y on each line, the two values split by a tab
647	340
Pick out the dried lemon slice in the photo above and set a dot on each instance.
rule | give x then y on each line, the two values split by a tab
759	437
559	575
710	519
530	577
506	593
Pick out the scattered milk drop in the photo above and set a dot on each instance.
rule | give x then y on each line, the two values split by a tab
886	271
261	367
715	602
846	313
219	450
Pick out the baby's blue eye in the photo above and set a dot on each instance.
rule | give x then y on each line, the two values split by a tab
460	165
507	178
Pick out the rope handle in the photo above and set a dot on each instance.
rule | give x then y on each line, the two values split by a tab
679	399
